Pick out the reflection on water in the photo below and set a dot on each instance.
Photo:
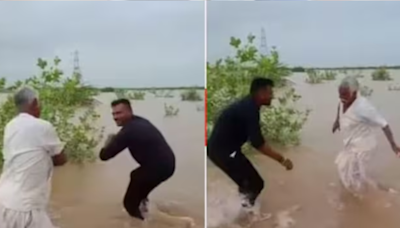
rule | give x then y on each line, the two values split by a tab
91	196
312	188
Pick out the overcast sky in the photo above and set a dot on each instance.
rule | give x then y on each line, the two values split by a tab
311	33
130	44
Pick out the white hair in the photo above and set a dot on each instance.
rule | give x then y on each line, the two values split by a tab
351	83
24	97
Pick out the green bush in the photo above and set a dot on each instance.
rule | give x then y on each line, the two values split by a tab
62	100
163	93
313	76
170	110
366	91
229	79
381	74
136	95
191	95
200	108
107	90
318	76
298	69
358	74
329	75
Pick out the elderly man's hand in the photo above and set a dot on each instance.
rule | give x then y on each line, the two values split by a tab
336	126
396	150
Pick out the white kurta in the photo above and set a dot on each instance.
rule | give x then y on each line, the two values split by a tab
29	144
358	126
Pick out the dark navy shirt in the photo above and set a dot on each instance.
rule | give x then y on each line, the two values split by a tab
238	123
145	143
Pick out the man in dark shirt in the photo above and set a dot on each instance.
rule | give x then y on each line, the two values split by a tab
148	147
238	123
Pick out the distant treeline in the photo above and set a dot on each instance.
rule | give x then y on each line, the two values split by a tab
113	89
303	69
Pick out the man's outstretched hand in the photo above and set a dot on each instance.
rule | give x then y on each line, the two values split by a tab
288	164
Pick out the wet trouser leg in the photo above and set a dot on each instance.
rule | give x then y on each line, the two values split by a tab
241	171
143	181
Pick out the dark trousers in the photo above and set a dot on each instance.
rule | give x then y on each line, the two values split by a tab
143	181
241	171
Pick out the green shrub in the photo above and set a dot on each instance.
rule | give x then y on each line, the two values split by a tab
318	76
168	94
298	69
358	74
136	95
191	95
62	100
107	90
229	79
381	74
120	94
365	91
163	94
200	108
394	87
313	76
170	110
329	75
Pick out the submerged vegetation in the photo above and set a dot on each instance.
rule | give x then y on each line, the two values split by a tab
381	74
62	98
366	91
394	87
130	95
229	79
318	76
313	77
163	93
191	95
170	110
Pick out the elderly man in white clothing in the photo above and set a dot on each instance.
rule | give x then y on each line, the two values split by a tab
31	149
358	119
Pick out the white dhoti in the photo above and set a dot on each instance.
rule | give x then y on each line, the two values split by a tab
351	165
358	125
17	219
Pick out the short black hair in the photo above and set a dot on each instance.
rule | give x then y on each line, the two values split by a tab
121	101
260	83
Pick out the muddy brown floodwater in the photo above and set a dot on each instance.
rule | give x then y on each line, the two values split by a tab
90	196
310	196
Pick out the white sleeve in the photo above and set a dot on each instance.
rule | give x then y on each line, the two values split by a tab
371	115
51	142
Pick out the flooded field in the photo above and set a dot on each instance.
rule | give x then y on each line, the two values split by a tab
310	196
90	196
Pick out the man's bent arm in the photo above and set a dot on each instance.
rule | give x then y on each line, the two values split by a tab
267	150
53	145
257	140
116	145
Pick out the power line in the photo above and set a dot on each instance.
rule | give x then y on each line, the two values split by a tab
263	45
77	68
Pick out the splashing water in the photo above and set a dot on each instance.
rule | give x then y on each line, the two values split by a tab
284	218
223	205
